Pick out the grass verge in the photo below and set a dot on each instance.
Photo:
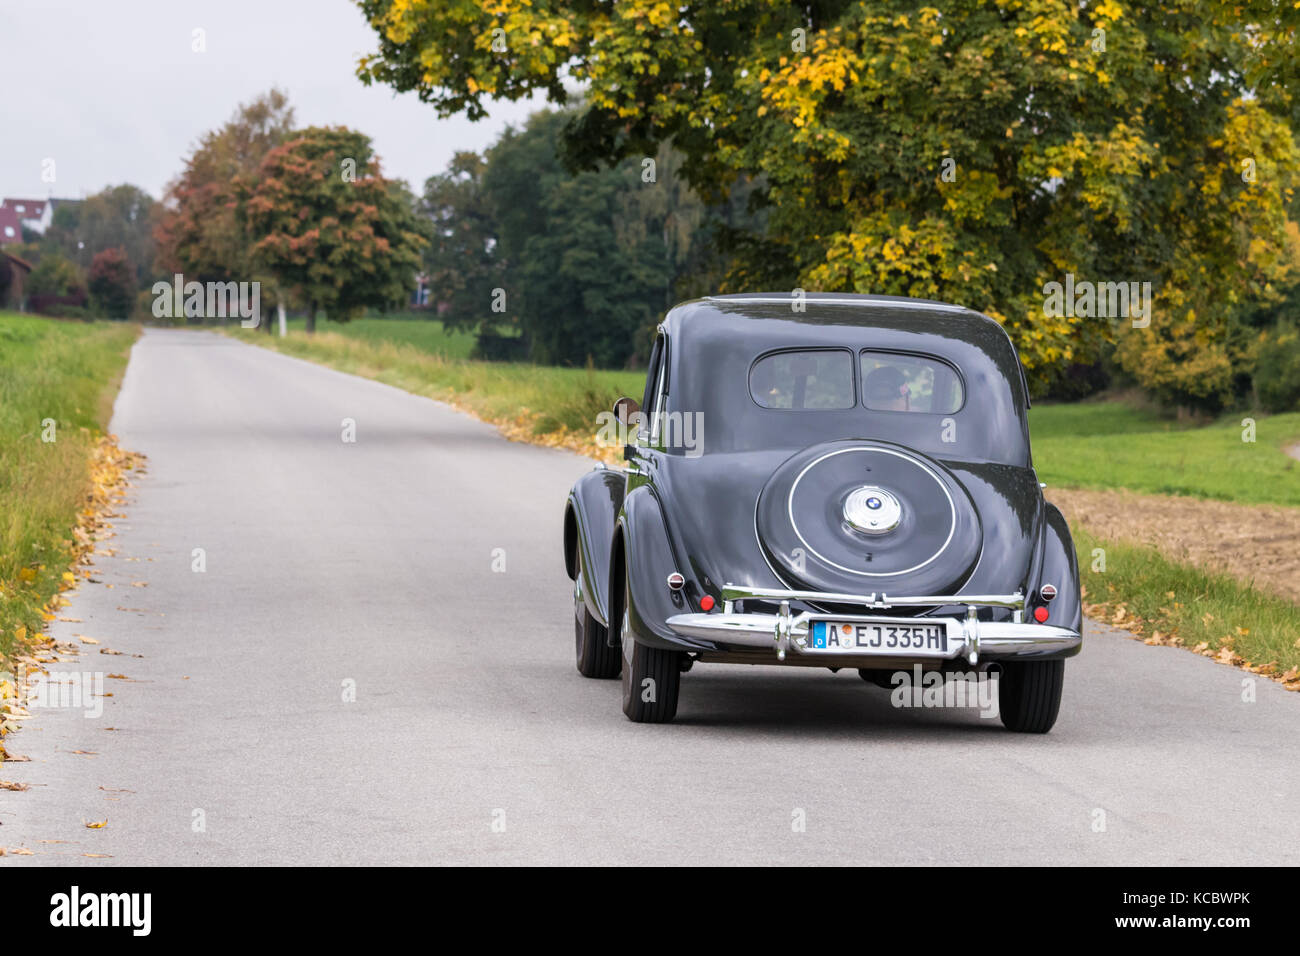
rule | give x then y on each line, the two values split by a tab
57	381
1112	445
1165	602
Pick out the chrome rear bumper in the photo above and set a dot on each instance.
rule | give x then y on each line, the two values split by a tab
967	637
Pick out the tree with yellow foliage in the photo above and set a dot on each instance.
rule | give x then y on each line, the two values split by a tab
961	150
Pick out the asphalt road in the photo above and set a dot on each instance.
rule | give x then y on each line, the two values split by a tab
472	739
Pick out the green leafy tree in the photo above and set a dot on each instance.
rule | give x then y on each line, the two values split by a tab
590	290
112	283
462	260
332	229
120	217
959	150
587	263
55	275
585	270
1277	376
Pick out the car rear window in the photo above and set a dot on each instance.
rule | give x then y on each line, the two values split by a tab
804	379
894	382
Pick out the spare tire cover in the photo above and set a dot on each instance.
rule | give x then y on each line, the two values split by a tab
863	517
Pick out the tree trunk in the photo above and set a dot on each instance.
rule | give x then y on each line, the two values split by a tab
311	317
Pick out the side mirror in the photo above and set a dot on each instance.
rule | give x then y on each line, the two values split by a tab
625	408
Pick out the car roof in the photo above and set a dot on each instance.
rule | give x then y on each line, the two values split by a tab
769	320
834	308
837	298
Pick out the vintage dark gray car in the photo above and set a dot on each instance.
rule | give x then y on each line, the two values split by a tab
828	481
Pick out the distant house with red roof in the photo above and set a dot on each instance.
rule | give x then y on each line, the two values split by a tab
35	214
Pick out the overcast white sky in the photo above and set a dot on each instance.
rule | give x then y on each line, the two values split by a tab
113	93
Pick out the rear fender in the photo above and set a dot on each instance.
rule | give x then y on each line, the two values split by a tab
589	518
649	560
1060	566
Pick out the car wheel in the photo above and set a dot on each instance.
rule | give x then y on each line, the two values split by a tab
594	655
1029	695
651	677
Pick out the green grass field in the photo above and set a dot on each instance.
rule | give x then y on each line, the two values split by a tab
424	334
1112	445
68	372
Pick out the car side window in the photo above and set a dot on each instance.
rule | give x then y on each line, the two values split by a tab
652	372
653	385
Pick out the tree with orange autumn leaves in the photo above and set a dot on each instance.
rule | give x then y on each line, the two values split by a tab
330	228
202	233
307	213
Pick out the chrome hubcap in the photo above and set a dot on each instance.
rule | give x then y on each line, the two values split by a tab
872	510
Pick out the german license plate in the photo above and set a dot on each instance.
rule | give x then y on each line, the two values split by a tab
880	637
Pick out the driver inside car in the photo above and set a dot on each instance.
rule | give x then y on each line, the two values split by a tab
886	390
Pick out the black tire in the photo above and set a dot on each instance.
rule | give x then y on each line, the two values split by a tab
648	672
595	658
1029	695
